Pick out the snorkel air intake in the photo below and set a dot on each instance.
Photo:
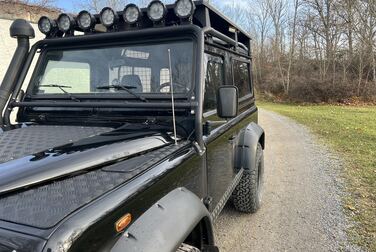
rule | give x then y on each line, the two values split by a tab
23	32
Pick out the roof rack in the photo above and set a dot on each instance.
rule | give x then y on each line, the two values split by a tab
218	25
204	15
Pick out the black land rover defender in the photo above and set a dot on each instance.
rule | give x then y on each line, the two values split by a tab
131	134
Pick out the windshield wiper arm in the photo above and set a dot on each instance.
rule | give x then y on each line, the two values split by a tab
125	88
61	87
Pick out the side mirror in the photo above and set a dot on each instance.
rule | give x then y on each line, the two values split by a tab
227	102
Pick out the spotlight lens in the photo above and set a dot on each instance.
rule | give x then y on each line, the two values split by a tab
45	25
131	14
64	23
156	11
184	8
85	20
108	17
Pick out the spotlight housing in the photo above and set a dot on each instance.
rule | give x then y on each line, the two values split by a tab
46	25
131	14
157	11
65	23
184	9
85	20
108	17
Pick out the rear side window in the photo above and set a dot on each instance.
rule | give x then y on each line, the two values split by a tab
242	77
214	79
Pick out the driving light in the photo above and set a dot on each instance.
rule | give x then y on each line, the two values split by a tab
85	20
46	25
156	11
184	9
108	17
65	22
131	14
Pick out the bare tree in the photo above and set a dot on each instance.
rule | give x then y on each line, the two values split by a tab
278	12
292	45
259	25
235	10
41	3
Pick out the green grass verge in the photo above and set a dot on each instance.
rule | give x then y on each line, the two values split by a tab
351	131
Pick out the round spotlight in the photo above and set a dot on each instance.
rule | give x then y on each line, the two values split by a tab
108	17
131	14
46	25
85	20
184	9
156	11
65	22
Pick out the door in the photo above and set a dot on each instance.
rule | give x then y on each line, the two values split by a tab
220	136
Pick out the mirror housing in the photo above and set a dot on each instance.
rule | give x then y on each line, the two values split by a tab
227	105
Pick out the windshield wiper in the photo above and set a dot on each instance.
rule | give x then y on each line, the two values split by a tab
125	88
61	87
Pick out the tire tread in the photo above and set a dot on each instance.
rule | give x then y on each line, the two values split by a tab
245	196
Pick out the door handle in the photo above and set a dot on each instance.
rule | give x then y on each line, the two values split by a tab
232	138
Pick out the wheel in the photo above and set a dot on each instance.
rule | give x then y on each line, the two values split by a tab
187	248
248	193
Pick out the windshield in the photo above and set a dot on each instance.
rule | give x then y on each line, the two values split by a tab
140	69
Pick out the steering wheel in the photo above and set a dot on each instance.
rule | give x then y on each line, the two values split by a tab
168	84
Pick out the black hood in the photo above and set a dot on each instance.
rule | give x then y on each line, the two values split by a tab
76	156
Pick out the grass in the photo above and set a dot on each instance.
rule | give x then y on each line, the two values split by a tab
351	131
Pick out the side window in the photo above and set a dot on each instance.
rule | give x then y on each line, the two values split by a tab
241	77
214	79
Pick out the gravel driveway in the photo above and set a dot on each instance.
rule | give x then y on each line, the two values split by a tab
301	208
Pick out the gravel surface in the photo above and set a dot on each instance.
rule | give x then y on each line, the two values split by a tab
301	208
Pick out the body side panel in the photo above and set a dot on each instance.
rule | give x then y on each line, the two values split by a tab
92	228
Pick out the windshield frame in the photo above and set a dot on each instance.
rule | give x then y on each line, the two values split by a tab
112	96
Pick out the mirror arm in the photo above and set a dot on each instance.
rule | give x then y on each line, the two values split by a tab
207	128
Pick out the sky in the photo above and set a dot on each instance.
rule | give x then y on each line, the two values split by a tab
66	5
71	6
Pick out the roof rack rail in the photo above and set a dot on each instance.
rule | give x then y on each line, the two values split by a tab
218	25
205	16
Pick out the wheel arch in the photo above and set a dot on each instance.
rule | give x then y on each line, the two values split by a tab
202	235
262	140
156	229
246	148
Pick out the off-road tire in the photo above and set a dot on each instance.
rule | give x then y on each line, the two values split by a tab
247	194
187	248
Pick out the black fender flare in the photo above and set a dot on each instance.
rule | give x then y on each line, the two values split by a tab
166	225
245	151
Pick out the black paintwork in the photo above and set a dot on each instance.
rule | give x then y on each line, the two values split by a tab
73	158
154	238
135	164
